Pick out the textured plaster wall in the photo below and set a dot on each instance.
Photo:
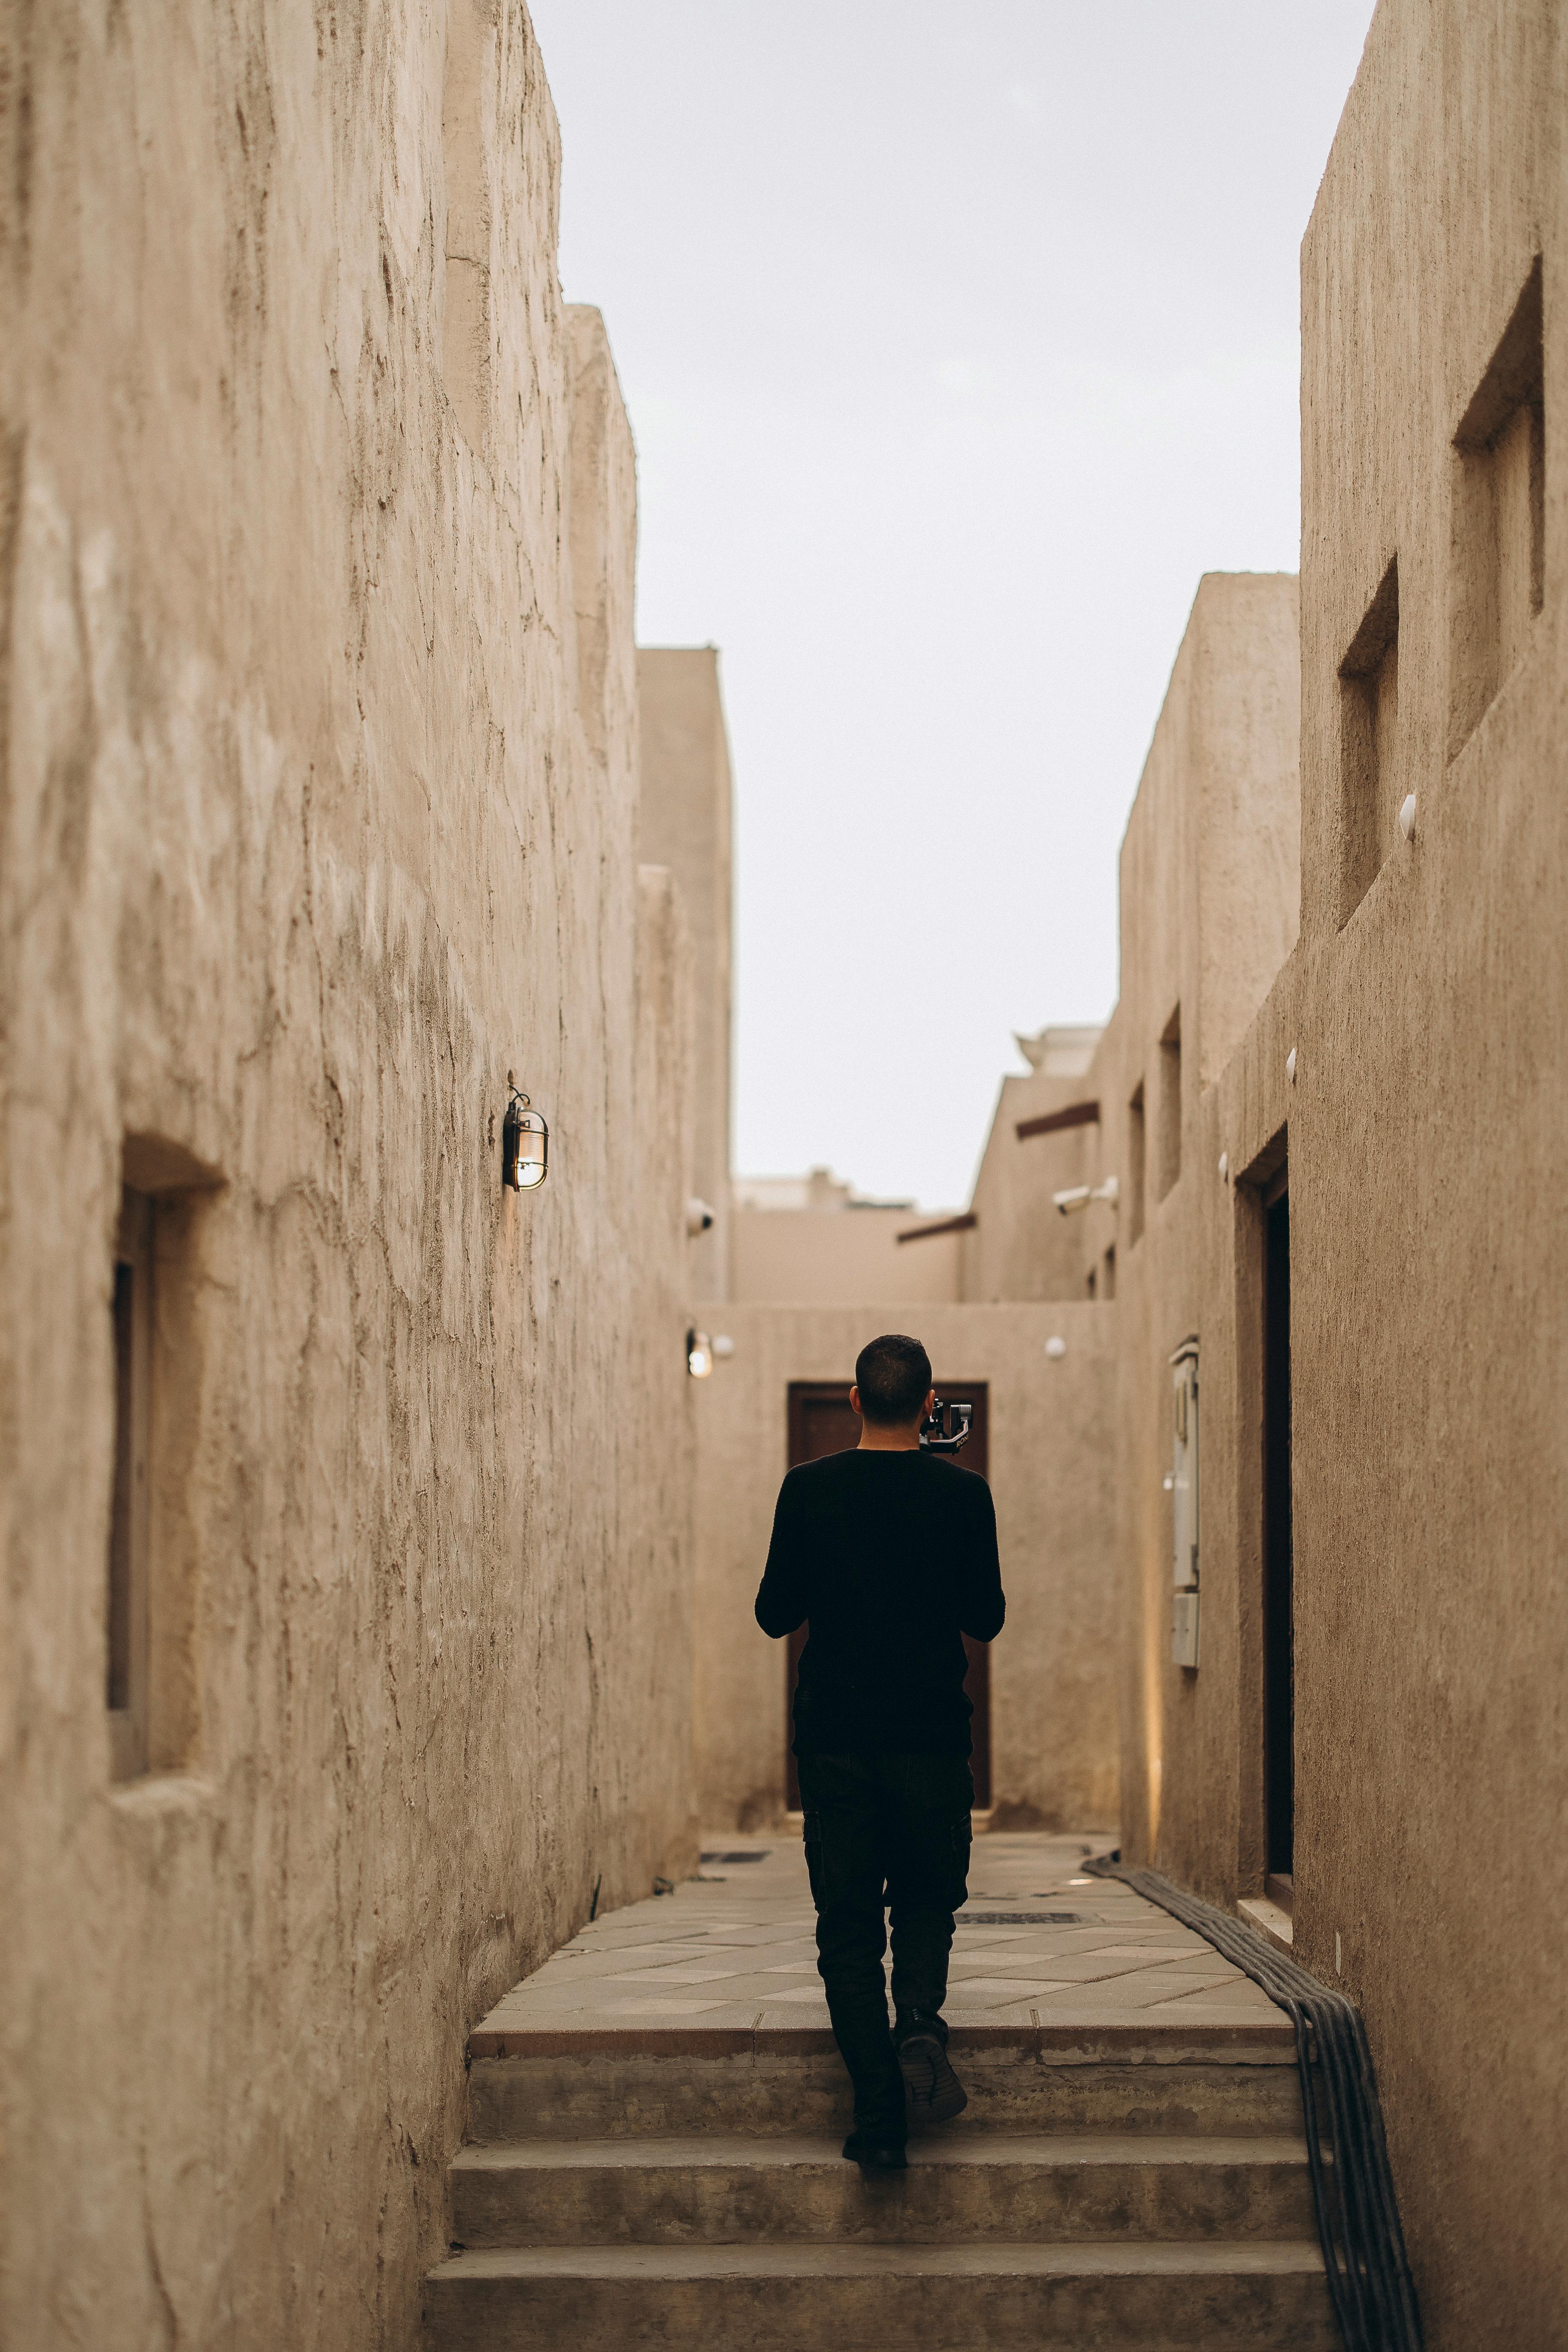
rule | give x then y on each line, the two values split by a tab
1428	1136
317	806
1427	1128
1053	1694
1210	890
1022	1247
686	823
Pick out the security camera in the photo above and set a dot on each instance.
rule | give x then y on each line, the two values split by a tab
698	1216
1078	1196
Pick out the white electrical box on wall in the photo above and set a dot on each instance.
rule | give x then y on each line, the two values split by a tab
1184	1467
1184	1629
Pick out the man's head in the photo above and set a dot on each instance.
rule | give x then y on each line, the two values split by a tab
892	1381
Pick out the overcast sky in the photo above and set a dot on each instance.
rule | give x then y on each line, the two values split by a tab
958	343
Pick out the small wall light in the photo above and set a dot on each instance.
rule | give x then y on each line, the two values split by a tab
1056	1347
1223	1165
1290	1066
1407	816
723	1345
524	1143
699	1355
699	1217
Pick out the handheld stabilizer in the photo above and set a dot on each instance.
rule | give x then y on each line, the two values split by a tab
947	1429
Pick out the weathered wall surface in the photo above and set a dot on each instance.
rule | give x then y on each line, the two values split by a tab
1053	1704
1424	1136
1428	1130
1021	1246
1209	891
686	823
319	786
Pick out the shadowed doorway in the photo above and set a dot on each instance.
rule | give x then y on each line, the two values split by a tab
821	1422
1278	1595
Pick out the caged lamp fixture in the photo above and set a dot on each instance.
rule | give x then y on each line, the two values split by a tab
524	1143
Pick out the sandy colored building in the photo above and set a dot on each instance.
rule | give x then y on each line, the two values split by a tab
1332	1097
815	1241
377	1593
685	823
344	1628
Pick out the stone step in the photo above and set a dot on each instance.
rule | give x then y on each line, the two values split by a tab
578	2084
714	2190
1225	2297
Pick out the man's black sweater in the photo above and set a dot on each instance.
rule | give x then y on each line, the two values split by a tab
891	1556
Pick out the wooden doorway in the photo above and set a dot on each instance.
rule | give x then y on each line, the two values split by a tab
821	1422
1278	1581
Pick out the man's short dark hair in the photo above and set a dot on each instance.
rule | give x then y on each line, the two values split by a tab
892	1374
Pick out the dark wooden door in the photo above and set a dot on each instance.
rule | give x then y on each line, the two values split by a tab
821	1422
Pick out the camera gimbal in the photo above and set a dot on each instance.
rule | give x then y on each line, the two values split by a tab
947	1429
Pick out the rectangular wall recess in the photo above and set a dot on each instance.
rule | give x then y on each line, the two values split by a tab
1370	785
1497	571
126	1694
1168	1130
1135	1160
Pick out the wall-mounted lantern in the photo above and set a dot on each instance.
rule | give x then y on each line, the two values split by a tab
524	1143
699	1355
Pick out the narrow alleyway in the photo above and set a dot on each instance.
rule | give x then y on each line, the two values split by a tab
654	2117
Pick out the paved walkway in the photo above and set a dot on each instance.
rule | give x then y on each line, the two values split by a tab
735	1948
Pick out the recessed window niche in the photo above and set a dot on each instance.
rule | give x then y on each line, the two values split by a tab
1497	575
1369	745
1135	1164
1168	1161
150	1678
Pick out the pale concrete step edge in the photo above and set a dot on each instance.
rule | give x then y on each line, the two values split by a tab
1089	2296
628	2092
716	2189
1271	1921
1081	2037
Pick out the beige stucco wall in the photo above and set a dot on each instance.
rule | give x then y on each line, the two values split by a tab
1209	897
838	1257
1021	1246
685	822
1427	1129
319	801
1053	1706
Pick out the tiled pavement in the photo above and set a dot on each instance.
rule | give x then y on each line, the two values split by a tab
735	1949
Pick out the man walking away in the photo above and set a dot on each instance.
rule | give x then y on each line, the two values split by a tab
890	1553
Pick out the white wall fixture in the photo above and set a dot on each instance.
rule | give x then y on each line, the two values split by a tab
1183	1488
699	1217
1183	1479
1056	1347
1407	816
723	1345
699	1355
1290	1066
1223	1166
1078	1196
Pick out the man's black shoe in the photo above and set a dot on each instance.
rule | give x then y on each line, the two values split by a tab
936	2094
874	2152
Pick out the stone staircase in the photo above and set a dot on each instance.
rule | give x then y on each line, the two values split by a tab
1138	2186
